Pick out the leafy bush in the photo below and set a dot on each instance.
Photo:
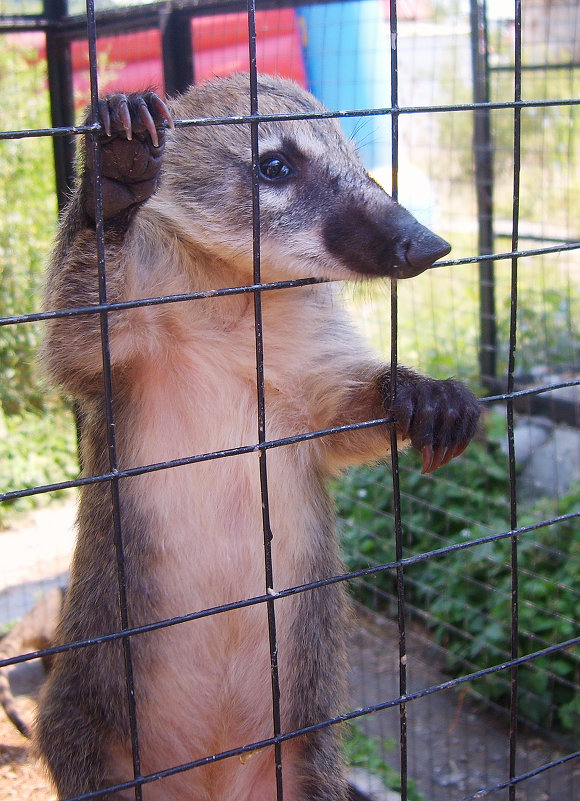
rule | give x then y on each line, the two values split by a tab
465	596
37	434
27	222
362	751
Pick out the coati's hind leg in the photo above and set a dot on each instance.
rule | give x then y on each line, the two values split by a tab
74	730
326	780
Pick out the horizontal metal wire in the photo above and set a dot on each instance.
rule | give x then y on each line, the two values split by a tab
243	119
186	460
563	65
493	788
253	448
520	393
160	299
34	317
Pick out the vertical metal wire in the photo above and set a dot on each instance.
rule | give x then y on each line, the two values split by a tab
261	403
393	432
510	406
109	403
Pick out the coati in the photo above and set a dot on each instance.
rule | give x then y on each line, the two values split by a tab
178	219
36	631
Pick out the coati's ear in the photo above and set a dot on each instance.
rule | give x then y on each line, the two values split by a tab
132	146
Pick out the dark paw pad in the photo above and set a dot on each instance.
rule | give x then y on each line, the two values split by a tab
439	417
132	147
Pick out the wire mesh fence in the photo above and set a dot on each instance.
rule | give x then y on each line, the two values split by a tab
470	117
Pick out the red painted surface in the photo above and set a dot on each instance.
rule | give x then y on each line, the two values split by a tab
221	45
132	62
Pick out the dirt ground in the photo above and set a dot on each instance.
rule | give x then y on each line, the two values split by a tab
21	776
34	556
456	748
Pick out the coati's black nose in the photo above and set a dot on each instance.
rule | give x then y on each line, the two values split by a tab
383	240
425	248
417	250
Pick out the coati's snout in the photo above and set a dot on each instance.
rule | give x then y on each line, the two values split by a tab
387	241
321	214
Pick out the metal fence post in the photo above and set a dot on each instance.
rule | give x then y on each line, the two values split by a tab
177	50
483	158
60	85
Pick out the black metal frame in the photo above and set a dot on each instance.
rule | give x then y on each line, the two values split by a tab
483	157
60	31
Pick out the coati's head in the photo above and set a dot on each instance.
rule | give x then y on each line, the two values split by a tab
321	214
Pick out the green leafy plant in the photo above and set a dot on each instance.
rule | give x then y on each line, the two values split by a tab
547	330
466	595
37	435
362	751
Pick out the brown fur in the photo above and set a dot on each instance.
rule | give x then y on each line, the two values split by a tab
184	378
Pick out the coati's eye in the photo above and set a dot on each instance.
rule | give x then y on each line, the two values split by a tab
274	167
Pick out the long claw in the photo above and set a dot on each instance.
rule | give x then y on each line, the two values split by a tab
442	456
162	110
460	448
448	457
148	122
438	455
125	118
427	451
433	463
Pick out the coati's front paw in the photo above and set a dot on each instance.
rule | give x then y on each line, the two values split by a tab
439	417
131	151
